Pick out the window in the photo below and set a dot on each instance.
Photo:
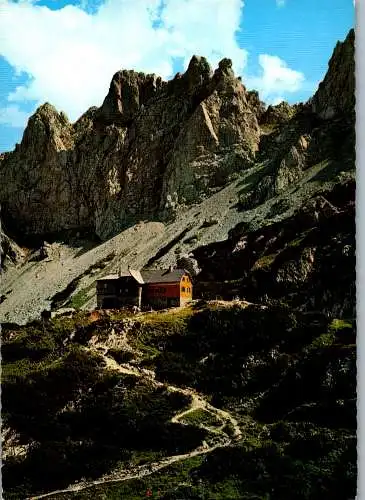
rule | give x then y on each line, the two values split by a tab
183	289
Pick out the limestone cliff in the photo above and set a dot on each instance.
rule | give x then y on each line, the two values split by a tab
296	138
36	181
304	253
151	147
155	146
336	93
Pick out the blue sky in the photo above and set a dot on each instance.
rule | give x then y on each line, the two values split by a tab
66	52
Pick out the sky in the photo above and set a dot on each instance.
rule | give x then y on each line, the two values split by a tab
66	51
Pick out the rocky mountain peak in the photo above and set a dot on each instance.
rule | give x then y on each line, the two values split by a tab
155	147
225	67
46	110
336	93
48	116
45	130
277	114
226	83
199	71
257	106
128	91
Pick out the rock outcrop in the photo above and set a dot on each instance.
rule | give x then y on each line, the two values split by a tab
128	92
189	263
336	93
296	138
294	260
150	148
10	252
38	189
276	115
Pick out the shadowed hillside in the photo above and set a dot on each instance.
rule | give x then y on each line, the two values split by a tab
94	400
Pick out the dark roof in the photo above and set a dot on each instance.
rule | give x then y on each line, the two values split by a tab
162	275
151	275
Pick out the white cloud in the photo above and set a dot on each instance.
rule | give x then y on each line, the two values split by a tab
280	3
276	79
71	54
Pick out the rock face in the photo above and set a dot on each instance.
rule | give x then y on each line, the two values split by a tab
281	113
151	147
189	263
154	147
128	92
10	252
336	93
296	138
37	181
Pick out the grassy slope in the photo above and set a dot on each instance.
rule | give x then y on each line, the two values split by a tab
81	419
289	381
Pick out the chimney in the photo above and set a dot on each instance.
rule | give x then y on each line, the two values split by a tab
171	268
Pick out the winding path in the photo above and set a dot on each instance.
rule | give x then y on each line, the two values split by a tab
138	472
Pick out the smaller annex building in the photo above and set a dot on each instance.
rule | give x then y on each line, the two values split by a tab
156	288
